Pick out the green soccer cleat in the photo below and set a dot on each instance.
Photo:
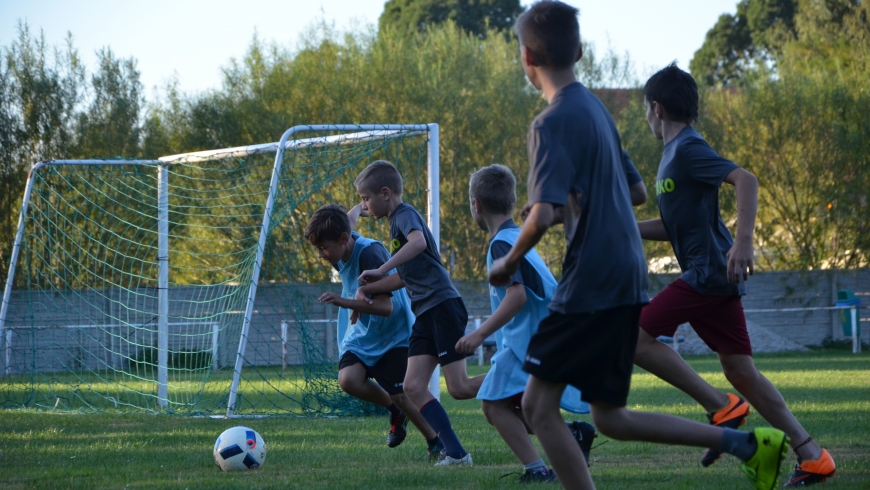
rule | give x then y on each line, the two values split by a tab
763	467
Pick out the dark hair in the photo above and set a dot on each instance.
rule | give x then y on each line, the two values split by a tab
676	91
327	224
380	174
495	188
550	30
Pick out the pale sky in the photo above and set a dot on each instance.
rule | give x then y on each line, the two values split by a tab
193	39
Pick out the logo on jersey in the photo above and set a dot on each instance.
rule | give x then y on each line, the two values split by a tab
533	360
663	186
395	244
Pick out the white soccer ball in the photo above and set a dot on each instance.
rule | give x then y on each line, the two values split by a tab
239	448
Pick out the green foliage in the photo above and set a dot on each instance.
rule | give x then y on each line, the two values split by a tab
808	144
477	17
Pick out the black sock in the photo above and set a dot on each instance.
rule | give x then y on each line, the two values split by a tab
394	410
740	444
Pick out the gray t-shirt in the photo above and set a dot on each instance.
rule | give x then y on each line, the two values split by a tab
687	187
577	162
426	279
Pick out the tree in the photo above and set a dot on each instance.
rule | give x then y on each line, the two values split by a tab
475	16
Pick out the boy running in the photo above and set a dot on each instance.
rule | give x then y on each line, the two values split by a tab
375	345
441	314
588	340
516	312
707	295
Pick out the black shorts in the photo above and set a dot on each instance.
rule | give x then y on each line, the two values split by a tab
389	371
594	352
437	330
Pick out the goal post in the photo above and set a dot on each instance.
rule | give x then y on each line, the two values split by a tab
154	256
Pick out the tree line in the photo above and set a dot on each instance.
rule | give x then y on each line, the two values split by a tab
791	111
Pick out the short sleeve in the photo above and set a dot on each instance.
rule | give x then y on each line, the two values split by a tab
407	221
373	257
499	249
551	172
631	173
706	165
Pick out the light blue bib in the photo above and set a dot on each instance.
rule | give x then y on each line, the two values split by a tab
372	335
506	377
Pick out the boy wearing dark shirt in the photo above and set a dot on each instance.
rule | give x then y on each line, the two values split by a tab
707	294
576	177
441	314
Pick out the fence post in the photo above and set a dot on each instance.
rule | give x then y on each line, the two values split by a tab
215	332
283	345
8	352
479	349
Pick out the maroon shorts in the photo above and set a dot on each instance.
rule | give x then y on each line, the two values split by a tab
718	320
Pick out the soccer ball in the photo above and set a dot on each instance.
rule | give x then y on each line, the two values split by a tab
239	448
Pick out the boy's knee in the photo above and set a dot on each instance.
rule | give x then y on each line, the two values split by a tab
489	408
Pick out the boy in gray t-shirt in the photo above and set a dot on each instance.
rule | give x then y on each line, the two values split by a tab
707	294
441	314
576	177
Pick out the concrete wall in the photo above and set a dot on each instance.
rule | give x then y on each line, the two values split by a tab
103	329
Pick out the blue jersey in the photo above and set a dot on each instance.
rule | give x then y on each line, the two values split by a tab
517	333
506	377
372	335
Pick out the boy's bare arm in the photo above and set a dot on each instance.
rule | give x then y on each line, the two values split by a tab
514	300
386	285
740	256
638	193
540	218
416	244
355	214
381	304
653	229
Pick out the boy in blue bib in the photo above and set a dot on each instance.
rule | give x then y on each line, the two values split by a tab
516	312
373	342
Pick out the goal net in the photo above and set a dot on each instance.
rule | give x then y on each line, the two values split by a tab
185	284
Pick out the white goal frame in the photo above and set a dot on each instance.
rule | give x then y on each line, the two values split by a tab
361	132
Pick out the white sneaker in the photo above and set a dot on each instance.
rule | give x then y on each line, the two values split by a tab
448	461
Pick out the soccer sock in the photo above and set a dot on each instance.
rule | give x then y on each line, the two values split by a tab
433	442
394	410
740	444
537	466
434	413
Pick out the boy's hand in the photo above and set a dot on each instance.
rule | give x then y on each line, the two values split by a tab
370	276
524	213
332	299
469	343
739	262
361	296
354	316
501	272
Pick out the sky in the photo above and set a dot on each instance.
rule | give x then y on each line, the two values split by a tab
191	40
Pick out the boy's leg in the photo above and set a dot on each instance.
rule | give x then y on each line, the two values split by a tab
665	363
504	416
741	372
410	410
541	410
355	382
459	385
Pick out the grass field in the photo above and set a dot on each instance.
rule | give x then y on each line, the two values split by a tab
828	390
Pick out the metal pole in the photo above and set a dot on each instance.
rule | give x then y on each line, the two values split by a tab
162	286
215	333
479	347
284	346
16	249
434	215
856	342
8	352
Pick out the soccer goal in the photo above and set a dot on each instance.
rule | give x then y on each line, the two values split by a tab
185	284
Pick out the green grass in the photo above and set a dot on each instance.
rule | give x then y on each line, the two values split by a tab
829	391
